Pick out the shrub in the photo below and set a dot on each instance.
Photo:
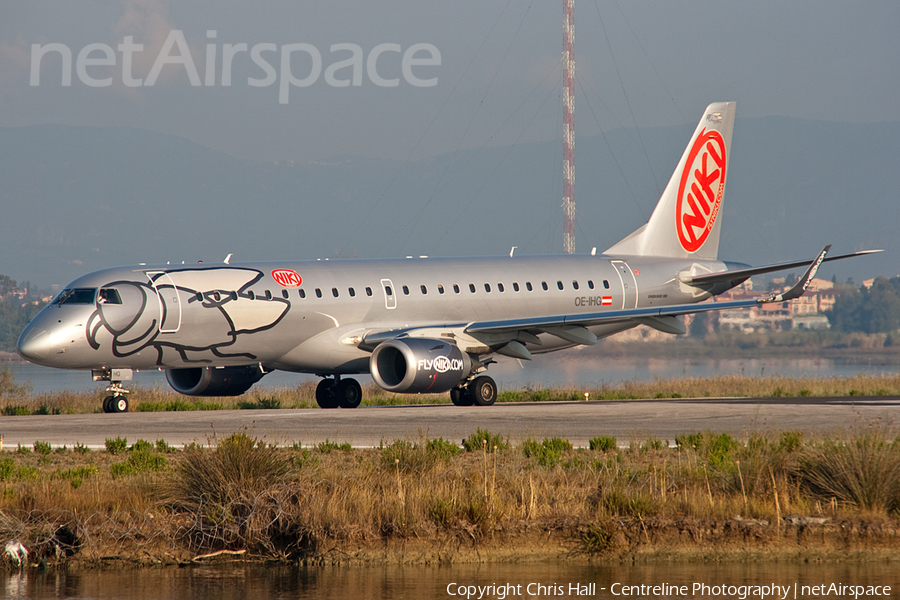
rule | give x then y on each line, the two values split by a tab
42	448
864	472
15	411
549	452
116	446
409	457
441	449
328	446
603	443
484	440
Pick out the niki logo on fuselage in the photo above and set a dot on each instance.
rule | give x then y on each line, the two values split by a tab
213	305
700	190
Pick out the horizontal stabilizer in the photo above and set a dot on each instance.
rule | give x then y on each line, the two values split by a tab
738	276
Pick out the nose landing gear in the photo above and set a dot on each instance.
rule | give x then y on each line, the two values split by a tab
116	400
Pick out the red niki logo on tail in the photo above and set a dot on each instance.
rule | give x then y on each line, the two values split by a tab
700	190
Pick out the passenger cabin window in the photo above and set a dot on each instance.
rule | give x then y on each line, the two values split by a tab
216	297
268	295
515	286
302	293
605	284
252	295
424	289
500	287
575	284
591	283
487	288
559	284
406	290
233	295
472	287
528	286
388	290
77	296
352	292
318	293
109	296
284	294
334	292
368	291
440	289
455	288
544	285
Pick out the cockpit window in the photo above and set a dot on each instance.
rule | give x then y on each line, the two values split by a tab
77	296
109	296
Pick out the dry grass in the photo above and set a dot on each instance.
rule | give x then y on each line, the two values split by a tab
302	503
17	400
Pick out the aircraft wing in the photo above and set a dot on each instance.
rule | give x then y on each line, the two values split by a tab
738	276
574	327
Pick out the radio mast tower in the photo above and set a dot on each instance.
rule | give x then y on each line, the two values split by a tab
569	125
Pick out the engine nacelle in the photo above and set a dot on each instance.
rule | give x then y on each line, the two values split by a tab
210	381
418	365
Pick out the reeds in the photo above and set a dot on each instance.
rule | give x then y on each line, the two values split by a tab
241	493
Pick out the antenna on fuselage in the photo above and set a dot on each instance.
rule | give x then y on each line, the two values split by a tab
228	259
512	250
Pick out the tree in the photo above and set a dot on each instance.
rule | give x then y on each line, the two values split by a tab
872	310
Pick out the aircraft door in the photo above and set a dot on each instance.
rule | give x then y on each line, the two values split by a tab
390	294
629	283
169	302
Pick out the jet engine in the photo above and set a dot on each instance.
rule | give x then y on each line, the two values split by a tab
210	381
418	365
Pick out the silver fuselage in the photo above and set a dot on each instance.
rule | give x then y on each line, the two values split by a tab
316	320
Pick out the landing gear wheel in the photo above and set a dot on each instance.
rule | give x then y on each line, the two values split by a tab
118	404
483	391
107	404
325	394
461	397
348	393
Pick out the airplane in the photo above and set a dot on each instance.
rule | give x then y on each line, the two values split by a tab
417	325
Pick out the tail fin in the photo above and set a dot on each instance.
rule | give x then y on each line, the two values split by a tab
687	219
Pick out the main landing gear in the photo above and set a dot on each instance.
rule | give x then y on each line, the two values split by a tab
481	391
337	392
116	400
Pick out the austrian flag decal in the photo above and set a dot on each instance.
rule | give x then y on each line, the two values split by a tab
287	278
700	190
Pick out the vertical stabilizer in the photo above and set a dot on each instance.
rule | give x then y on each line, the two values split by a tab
687	220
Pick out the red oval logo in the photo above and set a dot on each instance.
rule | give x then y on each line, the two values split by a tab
700	191
287	278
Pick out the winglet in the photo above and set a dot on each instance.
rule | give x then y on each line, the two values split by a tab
800	287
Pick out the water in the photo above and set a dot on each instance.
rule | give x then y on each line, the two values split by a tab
391	582
571	370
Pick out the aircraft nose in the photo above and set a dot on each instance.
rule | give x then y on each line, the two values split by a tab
35	343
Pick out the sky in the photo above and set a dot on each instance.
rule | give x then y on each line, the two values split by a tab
406	80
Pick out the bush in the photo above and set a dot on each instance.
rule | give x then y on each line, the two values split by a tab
328	446
116	446
440	449
484	440
864	472
603	443
42	448
549	452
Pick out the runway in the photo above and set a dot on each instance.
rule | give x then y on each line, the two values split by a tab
369	426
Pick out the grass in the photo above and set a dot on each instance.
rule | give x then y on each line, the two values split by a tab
19	401
294	503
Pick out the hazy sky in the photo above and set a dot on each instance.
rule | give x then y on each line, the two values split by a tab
484	71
